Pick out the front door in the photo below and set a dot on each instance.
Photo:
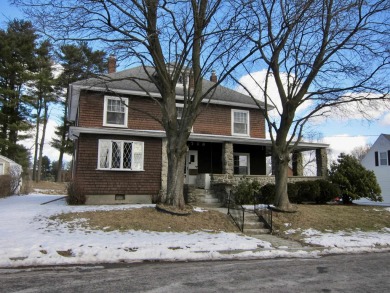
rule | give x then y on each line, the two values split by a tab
191	167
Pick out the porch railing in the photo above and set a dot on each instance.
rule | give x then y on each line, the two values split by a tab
236	212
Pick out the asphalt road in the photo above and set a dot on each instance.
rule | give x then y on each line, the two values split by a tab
338	273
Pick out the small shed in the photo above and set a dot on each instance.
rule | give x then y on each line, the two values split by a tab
9	167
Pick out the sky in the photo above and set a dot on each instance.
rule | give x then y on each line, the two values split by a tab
31	238
342	133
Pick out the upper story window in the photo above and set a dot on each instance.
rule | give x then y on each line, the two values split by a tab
121	155
240	122
1	169
383	158
115	111
179	111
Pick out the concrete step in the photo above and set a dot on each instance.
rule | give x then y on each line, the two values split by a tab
253	232
253	225
208	200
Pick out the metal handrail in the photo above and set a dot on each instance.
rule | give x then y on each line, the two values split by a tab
264	213
239	208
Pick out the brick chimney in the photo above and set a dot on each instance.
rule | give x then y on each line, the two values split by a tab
213	76
111	64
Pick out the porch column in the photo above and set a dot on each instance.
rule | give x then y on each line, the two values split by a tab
322	162
297	164
164	165
227	158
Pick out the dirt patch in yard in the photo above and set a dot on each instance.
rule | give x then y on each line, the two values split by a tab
332	218
149	219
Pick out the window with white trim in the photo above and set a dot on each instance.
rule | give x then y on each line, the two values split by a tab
115	111
121	155
1	169
383	158
240	122
179	112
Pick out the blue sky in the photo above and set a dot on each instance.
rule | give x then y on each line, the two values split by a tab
342	133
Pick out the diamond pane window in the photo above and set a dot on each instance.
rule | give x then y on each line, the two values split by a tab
115	111
121	155
127	148
138	156
104	154
240	122
116	154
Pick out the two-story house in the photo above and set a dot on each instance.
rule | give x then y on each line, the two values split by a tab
120	149
377	159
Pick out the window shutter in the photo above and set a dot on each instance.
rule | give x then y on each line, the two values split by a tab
376	159
388	158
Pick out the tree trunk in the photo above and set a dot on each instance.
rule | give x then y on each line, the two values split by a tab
63	141
45	118
280	159
34	174
176	152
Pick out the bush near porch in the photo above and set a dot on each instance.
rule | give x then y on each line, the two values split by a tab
318	191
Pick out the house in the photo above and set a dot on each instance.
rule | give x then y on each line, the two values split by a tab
120	150
9	167
377	159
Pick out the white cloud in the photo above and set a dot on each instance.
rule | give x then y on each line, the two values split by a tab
385	119
369	109
255	83
48	150
343	143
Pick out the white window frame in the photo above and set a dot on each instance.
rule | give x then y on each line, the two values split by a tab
383	158
2	170
248	160
248	125
125	101
179	105
121	142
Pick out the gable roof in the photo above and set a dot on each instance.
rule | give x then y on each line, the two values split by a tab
5	159
136	81
387	136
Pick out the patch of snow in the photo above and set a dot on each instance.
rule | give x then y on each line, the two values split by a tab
199	210
30	238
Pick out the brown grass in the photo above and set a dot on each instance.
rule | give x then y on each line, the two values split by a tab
49	187
332	218
149	219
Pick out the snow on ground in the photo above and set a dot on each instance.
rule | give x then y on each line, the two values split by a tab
30	238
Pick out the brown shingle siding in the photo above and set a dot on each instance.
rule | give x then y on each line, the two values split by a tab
212	119
116	182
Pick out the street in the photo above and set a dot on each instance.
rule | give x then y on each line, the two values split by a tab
337	273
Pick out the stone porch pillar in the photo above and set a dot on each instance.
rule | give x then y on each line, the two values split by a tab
297	164
227	158
322	162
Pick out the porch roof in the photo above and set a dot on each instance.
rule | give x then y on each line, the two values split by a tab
74	132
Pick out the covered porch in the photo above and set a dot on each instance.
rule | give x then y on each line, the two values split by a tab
213	160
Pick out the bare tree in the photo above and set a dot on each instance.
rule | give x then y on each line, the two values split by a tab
319	53
179	39
361	151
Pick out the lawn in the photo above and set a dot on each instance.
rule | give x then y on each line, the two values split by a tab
324	218
331	218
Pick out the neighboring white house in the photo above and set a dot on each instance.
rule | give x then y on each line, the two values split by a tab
378	160
7	166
